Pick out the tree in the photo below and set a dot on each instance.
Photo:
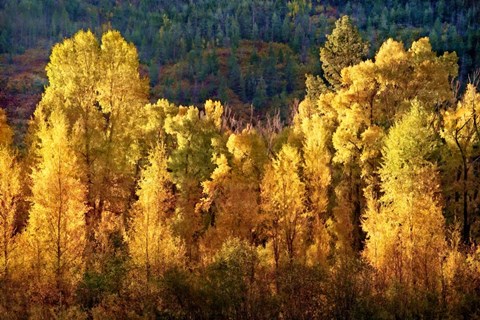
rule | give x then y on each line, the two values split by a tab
290	73
461	133
283	200
234	73
405	230
56	227
344	47
10	197
318	176
373	95
73	73
197	137
314	86
6	133
152	245
260	97
99	88
231	195
122	94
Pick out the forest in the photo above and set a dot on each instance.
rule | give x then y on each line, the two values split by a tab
243	53
356	195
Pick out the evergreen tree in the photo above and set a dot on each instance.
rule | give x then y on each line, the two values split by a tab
260	97
234	73
344	47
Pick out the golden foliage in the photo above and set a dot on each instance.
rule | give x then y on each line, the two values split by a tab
6	133
153	247
10	195
56	227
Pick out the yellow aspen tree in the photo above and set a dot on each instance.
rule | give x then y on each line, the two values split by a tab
122	95
373	95
73	74
283	200
56	226
99	88
153	247
318	177
232	190
154	125
6	133
405	236
461	132
10	196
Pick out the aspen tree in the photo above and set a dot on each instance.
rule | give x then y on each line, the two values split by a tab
461	132
405	236
10	196
283	199
6	133
232	190
373	95
153	247
99	88
56	227
318	177
197	137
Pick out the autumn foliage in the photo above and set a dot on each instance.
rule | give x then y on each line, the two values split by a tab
365	205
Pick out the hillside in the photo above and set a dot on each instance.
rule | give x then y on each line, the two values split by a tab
181	45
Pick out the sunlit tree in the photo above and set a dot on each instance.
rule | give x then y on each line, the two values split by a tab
461	132
99	88
344	47
373	95
152	245
405	231
10	197
197	137
318	177
232	193
283	200
6	133
56	226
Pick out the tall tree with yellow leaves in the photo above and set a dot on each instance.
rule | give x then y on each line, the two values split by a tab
56	227
405	234
283	200
99	88
462	135
122	95
318	176
373	95
152	245
232	191
10	197
10	193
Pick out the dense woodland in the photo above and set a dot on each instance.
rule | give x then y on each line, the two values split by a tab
361	201
241	53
